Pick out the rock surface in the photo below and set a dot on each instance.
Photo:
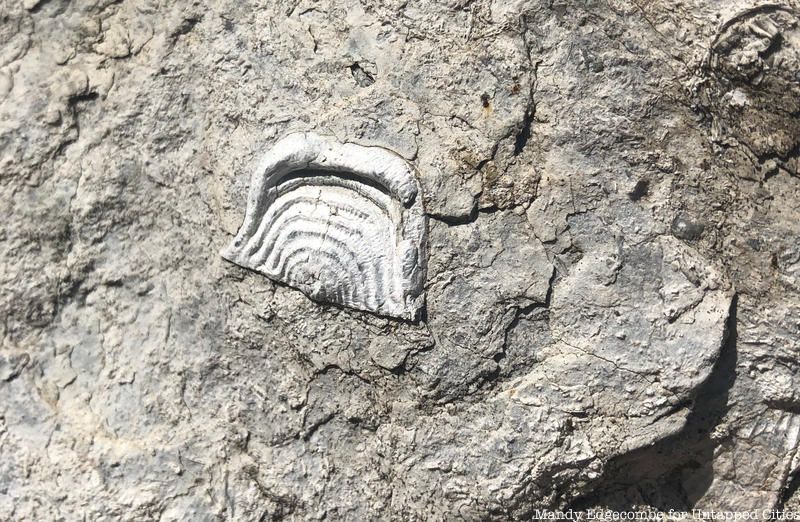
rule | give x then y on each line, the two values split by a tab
613	285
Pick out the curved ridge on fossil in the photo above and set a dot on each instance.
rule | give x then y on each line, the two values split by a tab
343	223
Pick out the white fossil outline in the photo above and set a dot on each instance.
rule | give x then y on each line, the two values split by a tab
342	222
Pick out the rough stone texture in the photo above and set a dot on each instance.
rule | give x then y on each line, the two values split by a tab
613	288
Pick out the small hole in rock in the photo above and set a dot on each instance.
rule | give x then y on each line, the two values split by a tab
363	75
640	190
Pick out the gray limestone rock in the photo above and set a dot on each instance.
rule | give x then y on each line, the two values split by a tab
601	303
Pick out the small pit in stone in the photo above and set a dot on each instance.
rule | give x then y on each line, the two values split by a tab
640	190
363	74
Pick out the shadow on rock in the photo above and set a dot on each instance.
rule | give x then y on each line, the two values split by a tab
676	472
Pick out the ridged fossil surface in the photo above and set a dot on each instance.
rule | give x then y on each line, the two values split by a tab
343	223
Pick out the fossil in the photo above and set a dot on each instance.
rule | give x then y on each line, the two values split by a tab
752	83
341	222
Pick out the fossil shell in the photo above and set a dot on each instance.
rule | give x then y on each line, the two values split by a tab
343	223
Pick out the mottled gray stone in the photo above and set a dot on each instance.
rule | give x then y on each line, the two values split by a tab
578	347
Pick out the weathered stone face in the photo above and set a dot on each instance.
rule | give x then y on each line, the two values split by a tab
592	295
754	86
